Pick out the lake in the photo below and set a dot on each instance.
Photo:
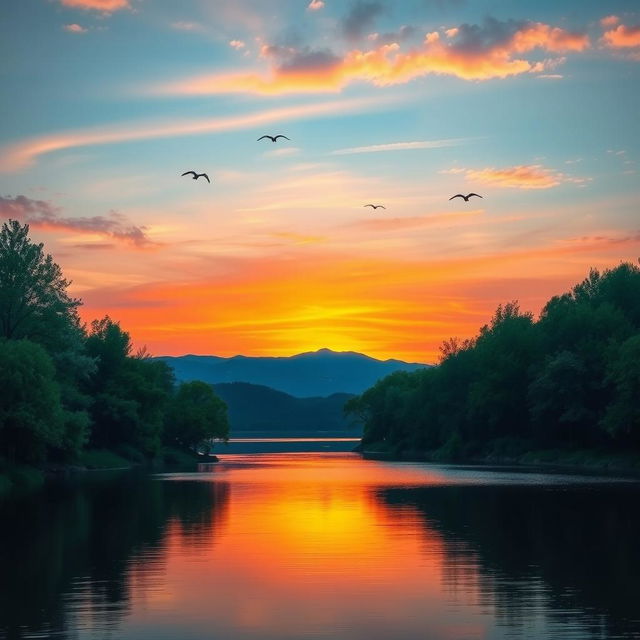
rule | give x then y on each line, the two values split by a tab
296	545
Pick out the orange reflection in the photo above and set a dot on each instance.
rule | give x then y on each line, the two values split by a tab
308	546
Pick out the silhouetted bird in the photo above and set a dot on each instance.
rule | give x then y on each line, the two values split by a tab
273	138
375	206
465	198
197	175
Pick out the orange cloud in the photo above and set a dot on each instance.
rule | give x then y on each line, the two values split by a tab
469	52
522	176
23	154
315	5
622	37
98	5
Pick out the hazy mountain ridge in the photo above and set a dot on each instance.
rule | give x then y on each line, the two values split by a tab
258	408
311	374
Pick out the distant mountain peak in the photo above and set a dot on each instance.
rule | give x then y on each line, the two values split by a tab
314	373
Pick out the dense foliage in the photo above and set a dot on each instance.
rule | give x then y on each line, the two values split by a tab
66	387
570	379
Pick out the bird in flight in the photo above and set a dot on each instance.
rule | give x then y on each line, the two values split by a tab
465	198
197	175
375	206
273	138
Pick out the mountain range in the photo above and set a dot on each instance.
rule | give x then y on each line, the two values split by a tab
312	374
256	408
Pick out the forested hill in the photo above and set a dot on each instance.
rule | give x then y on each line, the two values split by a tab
254	407
317	373
569	380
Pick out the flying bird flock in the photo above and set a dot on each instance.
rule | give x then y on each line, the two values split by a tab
280	135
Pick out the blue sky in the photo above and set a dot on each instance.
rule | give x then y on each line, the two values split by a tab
404	103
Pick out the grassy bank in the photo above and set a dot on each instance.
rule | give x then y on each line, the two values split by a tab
19	478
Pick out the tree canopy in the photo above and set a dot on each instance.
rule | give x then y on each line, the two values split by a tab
569	379
66	386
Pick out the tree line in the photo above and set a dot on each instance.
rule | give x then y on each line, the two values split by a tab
66	387
568	380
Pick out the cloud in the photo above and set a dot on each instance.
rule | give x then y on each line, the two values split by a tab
403	34
360	18
98	5
282	153
494	49
315	5
182	25
22	154
237	44
609	21
520	177
42	214
622	37
399	146
74	28
416	222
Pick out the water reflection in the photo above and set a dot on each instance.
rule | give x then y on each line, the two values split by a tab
323	546
568	553
72	556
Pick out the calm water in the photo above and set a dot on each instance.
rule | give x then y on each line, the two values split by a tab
321	545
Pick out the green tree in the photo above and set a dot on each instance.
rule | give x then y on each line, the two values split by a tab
559	401
197	416
34	302
130	393
31	414
622	416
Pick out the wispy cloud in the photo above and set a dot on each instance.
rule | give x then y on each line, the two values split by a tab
282	153
494	49
237	44
521	177
44	215
182	25
74	28
400	146
315	5
610	21
416	222
23	154
106	6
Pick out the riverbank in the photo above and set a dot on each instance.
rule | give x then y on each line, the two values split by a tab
579	459
21	478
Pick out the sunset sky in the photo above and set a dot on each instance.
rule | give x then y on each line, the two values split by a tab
534	105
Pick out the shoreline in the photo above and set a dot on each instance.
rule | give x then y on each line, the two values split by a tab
580	460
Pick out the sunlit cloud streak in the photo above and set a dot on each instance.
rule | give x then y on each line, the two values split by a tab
42	214
469	52
400	146
522	176
23	154
99	5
